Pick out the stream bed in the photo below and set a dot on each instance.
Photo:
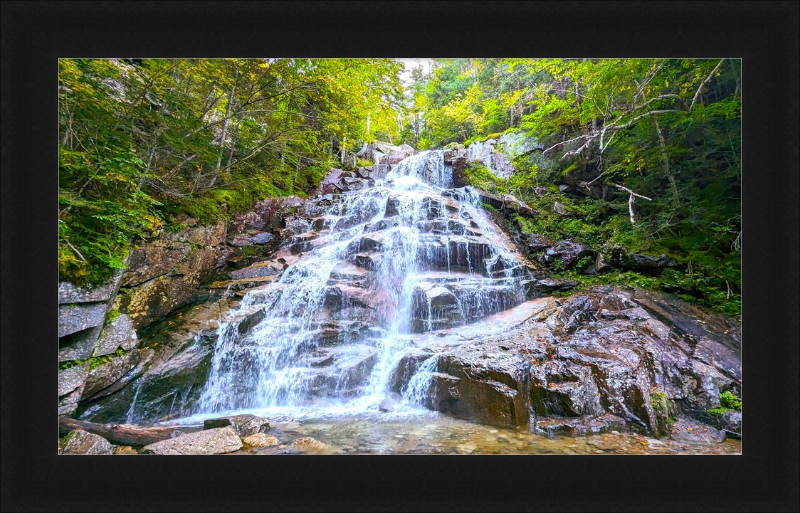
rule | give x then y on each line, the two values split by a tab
428	432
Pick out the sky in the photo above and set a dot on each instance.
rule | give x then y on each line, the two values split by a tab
405	76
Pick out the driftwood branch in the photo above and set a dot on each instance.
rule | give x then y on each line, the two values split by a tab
121	434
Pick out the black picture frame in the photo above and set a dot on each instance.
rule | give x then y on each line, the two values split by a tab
763	34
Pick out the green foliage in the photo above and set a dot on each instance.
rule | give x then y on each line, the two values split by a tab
729	400
141	142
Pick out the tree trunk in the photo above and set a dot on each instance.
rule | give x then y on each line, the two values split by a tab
665	158
121	434
225	127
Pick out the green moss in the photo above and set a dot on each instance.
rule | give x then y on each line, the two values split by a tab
729	400
70	363
111	316
97	361
658	401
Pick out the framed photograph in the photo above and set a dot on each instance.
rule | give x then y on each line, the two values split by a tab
510	251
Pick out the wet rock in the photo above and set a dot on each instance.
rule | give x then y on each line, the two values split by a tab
83	442
263	238
563	389
691	431
247	424
371	261
78	317
581	426
260	269
210	441
110	376
261	440
125	450
169	386
217	423
310	445
350	368
119	333
548	285
534	242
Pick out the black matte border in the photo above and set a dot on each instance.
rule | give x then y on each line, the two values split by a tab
35	34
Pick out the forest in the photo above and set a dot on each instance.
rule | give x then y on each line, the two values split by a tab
653	147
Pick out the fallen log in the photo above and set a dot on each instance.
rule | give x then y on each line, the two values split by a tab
122	434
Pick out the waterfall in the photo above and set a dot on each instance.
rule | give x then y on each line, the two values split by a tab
372	269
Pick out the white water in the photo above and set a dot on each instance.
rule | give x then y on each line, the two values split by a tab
436	259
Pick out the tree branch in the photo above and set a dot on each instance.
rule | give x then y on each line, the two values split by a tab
631	200
704	83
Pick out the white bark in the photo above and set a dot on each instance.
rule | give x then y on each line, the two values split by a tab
697	94
631	200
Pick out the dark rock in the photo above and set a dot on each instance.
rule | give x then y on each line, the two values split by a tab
534	242
83	442
78	345
209	441
263	238
548	285
78	317
119	333
567	252
646	263
265	215
602	264
217	423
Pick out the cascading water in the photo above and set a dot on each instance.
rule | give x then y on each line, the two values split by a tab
370	268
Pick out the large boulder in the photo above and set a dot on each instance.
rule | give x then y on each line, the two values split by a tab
608	353
83	442
244	425
210	441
